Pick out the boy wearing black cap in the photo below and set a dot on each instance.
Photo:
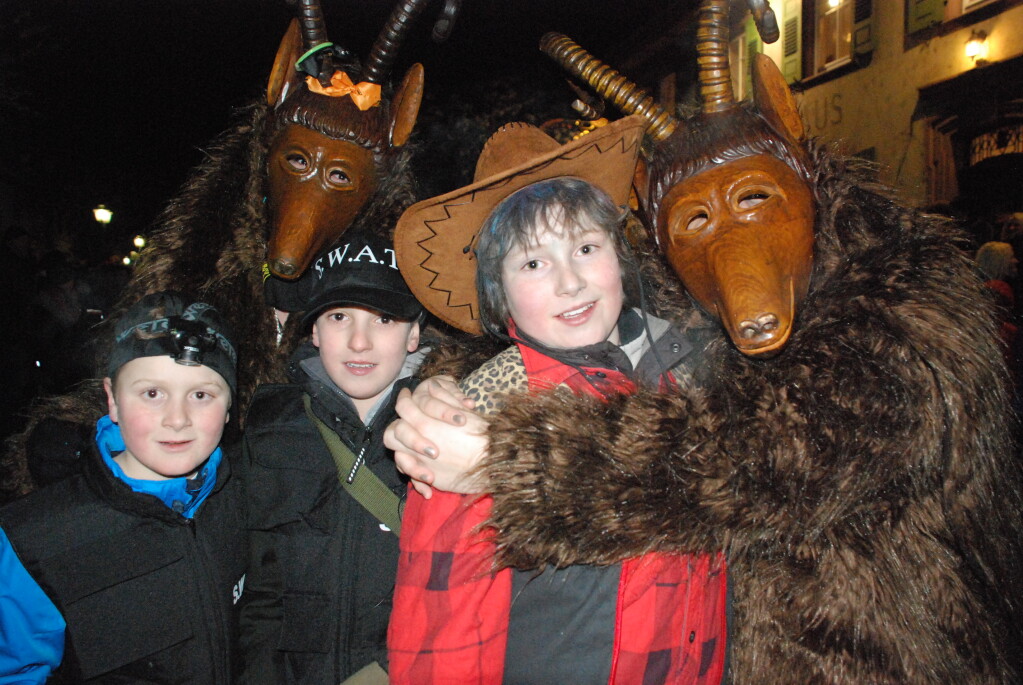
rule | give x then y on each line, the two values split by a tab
143	553
325	495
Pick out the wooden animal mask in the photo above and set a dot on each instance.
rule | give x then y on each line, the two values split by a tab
336	132
740	235
726	192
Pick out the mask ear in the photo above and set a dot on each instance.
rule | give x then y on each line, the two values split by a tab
774	99
405	105
284	77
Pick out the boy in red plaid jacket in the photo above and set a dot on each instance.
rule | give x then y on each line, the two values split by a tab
550	280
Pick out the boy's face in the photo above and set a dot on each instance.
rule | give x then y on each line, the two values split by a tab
363	350
565	290
171	416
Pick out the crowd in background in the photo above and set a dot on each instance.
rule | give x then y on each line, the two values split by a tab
51	301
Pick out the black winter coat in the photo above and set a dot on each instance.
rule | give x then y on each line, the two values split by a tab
149	596
318	595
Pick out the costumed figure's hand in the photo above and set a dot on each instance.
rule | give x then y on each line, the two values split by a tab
437	413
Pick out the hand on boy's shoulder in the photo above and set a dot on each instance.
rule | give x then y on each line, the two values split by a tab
437	440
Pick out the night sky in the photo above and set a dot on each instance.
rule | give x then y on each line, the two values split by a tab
112	101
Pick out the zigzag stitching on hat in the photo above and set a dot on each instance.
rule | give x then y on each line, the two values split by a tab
430	253
617	142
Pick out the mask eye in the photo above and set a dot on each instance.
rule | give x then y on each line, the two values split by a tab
696	222
296	162
336	177
690	221
753	199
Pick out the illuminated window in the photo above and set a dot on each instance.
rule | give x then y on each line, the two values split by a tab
833	34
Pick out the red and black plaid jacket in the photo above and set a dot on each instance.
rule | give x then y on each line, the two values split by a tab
449	622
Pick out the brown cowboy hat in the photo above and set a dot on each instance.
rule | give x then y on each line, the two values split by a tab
434	239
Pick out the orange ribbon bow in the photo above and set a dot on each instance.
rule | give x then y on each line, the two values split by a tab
364	94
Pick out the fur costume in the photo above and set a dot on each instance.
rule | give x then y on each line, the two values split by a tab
861	482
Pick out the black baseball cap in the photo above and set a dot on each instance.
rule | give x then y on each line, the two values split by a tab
360	272
169	324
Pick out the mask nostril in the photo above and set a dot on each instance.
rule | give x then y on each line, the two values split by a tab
764	325
284	268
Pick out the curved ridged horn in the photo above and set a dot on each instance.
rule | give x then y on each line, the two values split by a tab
445	24
767	23
314	32
608	83
586	110
385	50
586	104
712	56
314	29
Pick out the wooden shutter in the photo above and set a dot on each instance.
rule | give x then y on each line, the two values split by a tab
863	31
792	41
922	14
753	46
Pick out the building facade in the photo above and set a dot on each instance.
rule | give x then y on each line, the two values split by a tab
932	90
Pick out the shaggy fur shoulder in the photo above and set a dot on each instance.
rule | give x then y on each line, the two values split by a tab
457	354
58	432
862	483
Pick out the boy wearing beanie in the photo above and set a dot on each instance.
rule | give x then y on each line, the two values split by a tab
142	555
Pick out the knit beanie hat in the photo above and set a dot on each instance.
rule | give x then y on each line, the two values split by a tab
166	323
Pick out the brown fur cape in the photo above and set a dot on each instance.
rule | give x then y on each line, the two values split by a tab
861	482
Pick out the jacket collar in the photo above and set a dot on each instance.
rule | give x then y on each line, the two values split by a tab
640	333
174	498
308	371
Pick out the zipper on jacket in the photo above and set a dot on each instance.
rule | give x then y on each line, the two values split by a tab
206	577
361	457
352	543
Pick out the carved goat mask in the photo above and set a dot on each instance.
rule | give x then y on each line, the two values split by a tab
734	213
728	192
335	133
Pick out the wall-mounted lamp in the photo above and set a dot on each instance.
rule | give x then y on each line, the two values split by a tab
976	47
102	214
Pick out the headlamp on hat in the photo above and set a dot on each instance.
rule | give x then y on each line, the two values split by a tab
192	340
167	323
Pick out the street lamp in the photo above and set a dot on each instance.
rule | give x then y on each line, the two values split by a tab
139	242
102	214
